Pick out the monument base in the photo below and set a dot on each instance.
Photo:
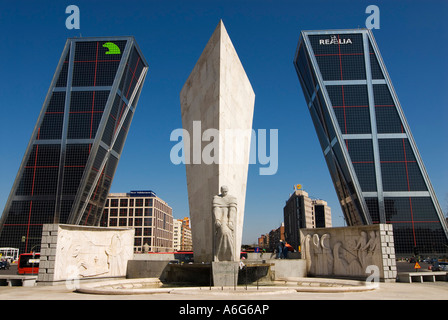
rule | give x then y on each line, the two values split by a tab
225	273
218	274
195	274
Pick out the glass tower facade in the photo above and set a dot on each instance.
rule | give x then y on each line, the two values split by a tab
70	161
373	160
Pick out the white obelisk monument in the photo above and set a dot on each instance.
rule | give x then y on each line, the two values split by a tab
217	103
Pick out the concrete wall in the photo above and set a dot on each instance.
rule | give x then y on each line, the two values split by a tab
288	268
354	252
155	266
154	256
252	256
138	269
70	252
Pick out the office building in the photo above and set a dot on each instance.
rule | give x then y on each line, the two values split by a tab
372	157
177	234
299	212
150	216
275	235
182	240
71	158
263	241
321	214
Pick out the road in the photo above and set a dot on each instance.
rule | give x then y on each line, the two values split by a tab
12	270
409	267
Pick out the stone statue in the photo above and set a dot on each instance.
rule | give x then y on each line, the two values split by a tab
116	265
224	216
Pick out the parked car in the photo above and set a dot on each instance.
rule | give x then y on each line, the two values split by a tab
440	266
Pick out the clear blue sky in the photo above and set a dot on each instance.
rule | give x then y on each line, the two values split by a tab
412	38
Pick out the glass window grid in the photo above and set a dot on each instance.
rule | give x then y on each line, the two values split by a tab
351	107
340	61
62	78
388	121
372	205
56	103
51	129
303	64
361	155
399	168
92	66
415	224
375	65
25	231
324	119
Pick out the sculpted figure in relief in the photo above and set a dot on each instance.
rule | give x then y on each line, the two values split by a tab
327	255
361	248
371	247
116	265
224	216
323	258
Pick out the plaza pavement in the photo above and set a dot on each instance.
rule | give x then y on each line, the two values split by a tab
386	291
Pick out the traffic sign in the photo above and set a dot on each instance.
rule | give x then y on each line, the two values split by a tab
417	266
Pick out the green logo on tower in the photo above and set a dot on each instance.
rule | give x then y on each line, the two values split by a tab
113	48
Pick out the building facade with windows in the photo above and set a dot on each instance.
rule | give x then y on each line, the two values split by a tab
275	236
150	216
177	234
300	211
321	214
182	240
71	158
263	241
372	157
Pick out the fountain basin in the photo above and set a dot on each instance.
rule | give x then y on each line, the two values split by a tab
281	286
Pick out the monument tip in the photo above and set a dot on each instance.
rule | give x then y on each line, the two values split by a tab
221	24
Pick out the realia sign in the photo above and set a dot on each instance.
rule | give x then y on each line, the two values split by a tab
334	40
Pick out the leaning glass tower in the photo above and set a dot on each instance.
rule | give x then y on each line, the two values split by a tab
372	157
70	161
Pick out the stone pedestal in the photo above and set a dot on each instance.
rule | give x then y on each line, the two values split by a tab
225	273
